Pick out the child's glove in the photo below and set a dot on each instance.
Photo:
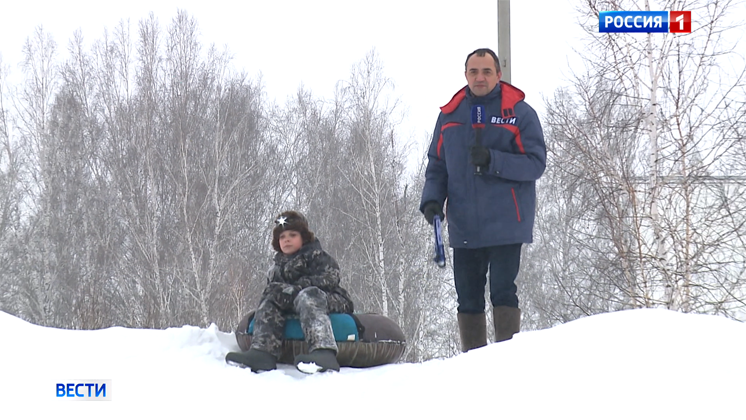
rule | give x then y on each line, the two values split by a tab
304	282
282	294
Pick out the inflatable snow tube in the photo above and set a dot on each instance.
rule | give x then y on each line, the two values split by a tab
363	340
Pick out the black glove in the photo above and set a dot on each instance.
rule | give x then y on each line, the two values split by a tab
431	209
304	282
480	156
282	294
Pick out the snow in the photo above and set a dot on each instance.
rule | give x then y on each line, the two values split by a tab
637	364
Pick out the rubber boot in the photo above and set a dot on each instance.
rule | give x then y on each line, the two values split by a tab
507	322
473	331
257	360
319	360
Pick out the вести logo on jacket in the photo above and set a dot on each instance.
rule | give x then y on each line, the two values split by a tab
499	120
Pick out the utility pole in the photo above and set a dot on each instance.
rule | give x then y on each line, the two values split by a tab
503	38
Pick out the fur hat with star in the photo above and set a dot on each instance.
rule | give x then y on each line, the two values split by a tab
290	220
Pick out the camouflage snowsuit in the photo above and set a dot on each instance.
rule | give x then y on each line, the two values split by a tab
304	283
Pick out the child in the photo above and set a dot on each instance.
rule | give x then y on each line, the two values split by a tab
304	281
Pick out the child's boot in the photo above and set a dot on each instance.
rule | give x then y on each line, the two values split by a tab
319	360
257	360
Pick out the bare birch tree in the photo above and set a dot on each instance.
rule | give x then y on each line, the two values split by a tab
216	161
391	244
643	149
11	200
33	110
130	92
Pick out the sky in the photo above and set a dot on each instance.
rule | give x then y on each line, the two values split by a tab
636	364
291	43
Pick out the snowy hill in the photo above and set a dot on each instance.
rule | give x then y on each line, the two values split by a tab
642	364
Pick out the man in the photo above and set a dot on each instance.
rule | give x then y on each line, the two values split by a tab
490	185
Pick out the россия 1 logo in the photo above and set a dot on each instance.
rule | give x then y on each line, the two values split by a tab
656	21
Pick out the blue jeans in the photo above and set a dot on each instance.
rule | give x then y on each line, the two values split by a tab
470	275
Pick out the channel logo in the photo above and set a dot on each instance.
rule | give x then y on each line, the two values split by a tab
646	22
85	390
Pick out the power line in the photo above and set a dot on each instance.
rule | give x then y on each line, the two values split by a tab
693	179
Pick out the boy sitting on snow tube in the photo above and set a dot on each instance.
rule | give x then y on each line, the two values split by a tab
304	280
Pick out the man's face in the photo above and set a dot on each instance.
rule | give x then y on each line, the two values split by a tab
481	75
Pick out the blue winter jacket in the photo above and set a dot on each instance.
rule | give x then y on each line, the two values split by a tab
499	206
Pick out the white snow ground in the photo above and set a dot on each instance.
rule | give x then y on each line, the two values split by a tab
639	364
